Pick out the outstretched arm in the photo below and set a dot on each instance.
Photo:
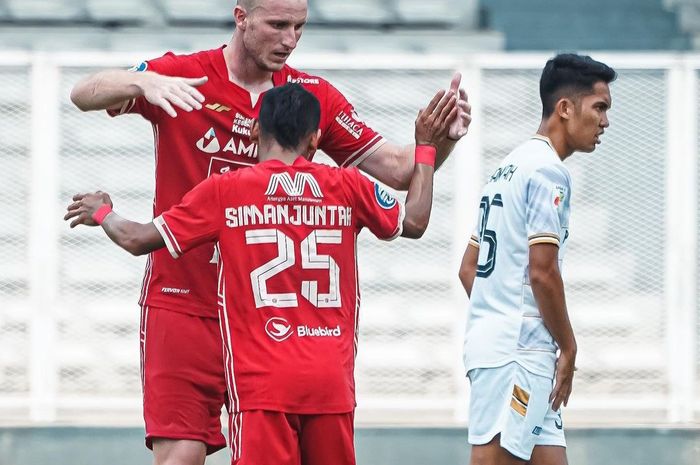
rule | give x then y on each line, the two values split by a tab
96	209
393	164
432	125
110	89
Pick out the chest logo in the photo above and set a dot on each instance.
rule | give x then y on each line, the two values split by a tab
209	143
217	107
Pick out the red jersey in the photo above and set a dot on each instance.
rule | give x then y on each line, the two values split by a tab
288	285
216	139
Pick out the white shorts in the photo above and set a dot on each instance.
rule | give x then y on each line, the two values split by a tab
514	403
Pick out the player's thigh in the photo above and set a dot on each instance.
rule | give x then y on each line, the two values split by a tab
184	384
511	402
548	455
328	439
178	452
264	437
492	453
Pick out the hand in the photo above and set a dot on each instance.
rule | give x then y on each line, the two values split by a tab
460	125
84	206
564	380
166	91
433	122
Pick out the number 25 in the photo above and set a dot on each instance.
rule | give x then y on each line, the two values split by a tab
310	260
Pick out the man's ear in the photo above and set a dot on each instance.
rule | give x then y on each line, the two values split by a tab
255	132
565	108
313	143
240	15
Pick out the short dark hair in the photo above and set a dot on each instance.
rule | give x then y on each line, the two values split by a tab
289	113
570	75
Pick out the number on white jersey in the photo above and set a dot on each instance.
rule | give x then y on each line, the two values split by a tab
488	236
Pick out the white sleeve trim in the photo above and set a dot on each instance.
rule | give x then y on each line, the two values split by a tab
399	227
373	147
168	237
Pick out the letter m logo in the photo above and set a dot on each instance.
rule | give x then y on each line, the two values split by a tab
293	187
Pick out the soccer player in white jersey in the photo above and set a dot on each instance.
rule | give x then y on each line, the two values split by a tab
519	348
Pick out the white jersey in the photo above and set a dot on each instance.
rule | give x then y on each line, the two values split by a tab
525	202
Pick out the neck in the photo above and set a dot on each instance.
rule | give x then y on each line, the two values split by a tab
555	133
274	151
243	70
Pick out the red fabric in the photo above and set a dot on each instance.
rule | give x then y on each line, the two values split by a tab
263	437
183	383
194	145
426	154
289	290
99	215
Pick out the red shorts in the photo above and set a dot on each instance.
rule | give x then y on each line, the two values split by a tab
182	372
264	437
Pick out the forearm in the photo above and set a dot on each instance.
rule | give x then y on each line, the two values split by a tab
467	270
419	201
106	90
443	151
548	289
135	238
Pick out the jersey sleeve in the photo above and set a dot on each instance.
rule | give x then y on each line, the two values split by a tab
475	239
377	209
195	221
548	194
346	138
167	65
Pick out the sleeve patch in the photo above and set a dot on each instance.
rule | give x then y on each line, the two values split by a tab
141	67
384	198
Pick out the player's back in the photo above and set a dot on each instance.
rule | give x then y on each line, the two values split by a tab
290	288
525	202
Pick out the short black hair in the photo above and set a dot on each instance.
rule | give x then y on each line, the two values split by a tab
289	113
569	75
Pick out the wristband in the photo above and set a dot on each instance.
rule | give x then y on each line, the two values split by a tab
426	154
99	216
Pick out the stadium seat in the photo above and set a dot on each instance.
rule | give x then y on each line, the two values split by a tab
418	12
367	12
122	11
47	10
215	11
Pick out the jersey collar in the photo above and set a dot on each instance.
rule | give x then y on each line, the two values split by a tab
546	140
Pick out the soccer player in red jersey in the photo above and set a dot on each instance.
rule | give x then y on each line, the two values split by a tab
216	94
288	285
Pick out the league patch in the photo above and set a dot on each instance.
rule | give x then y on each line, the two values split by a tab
558	196
384	198
141	67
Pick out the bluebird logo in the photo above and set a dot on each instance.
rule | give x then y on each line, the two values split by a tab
384	199
278	329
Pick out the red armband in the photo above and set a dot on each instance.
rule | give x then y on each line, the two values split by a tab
99	216
426	154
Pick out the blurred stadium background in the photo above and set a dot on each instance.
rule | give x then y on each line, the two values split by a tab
69	379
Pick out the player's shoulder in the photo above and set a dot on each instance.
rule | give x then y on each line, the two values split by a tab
181	63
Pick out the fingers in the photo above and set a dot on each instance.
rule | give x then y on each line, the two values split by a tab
434	102
79	220
191	96
454	84
78	197
72	214
178	102
165	105
196	82
447	100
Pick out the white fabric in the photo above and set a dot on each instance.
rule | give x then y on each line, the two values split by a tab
491	410
525	202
